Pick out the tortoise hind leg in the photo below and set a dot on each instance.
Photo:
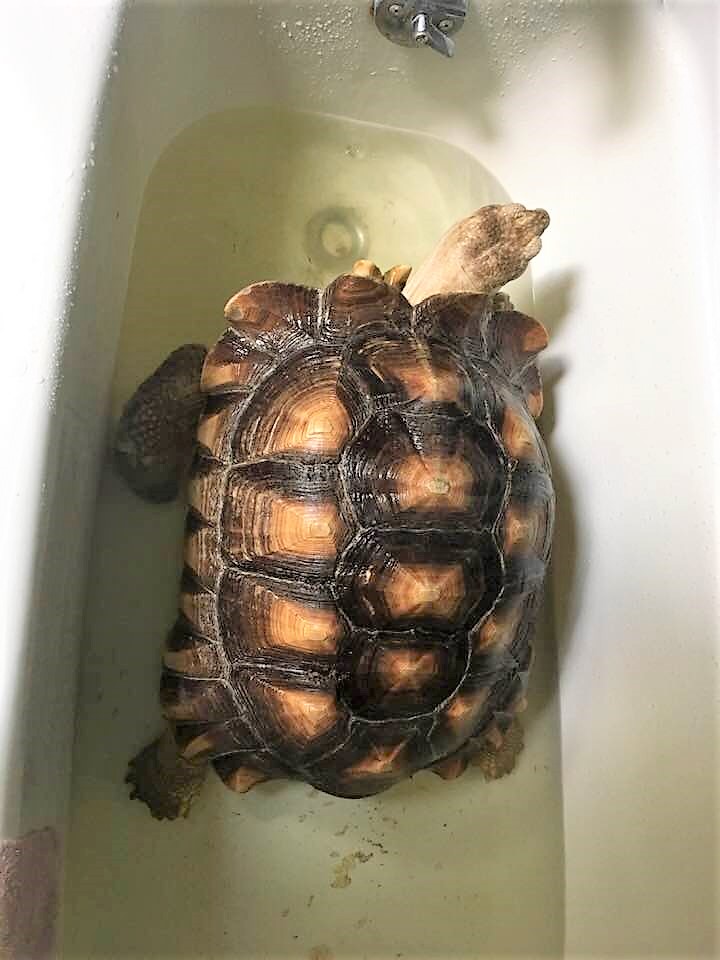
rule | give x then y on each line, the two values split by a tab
496	754
164	780
156	434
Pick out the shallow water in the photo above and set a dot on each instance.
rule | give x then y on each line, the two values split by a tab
430	868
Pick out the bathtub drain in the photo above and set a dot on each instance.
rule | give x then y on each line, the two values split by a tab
336	237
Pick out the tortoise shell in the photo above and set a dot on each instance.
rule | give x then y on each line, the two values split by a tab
369	525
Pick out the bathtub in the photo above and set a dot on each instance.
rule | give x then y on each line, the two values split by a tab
604	842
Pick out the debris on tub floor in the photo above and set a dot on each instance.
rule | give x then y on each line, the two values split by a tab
342	870
321	952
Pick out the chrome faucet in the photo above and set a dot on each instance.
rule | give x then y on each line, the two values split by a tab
418	23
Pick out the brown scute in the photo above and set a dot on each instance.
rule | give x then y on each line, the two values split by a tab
519	435
268	619
198	605
372	758
215	428
283	518
266	313
351	303
425	590
202	553
463	714
386	676
380	761
205	741
459	319
457	720
244	777
197	659
513	340
301	714
530	383
243	770
451	768
299	413
427	578
184	698
299	723
526	528
411	368
407	469
205	489
232	365
497	630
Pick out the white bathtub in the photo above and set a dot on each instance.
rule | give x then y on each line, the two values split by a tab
605	841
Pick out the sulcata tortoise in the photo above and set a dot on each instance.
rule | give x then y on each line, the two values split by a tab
369	524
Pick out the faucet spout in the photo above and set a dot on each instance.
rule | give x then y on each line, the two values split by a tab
424	32
421	23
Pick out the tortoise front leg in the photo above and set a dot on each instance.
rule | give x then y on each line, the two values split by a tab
163	779
156	433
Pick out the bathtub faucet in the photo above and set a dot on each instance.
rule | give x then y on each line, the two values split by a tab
420	23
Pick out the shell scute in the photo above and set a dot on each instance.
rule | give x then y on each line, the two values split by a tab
279	621
283	518
435	579
410	369
407	469
390	675
299	412
352	303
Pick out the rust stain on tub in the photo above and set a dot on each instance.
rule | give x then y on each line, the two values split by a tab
29	870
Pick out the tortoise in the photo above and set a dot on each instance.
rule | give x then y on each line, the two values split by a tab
369	524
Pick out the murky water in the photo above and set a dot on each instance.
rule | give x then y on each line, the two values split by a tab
430	869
